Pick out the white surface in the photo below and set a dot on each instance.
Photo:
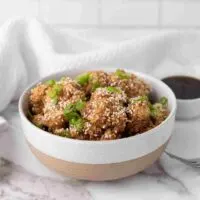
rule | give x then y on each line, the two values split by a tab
110	151
69	12
134	14
23	8
180	13
125	12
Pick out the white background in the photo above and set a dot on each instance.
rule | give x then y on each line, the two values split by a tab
123	19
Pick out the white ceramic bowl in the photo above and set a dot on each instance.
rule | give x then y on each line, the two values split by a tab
99	160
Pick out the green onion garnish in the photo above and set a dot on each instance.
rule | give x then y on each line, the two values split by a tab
153	110
113	89
55	92
51	82
71	113
163	101
122	74
52	94
77	123
95	85
65	133
80	105
83	79
140	99
57	88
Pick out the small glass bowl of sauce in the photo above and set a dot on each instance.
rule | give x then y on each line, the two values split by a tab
187	92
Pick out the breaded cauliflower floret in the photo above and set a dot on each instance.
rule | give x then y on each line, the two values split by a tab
71	92
104	111
110	135
77	134
36	98
52	98
37	120
53	118
129	83
139	115
92	80
92	131
159	113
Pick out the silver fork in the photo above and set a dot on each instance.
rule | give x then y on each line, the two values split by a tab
190	162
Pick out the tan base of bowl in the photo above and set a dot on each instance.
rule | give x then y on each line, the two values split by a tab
98	172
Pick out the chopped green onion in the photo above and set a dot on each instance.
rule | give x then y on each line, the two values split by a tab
163	101
80	105
83	79
95	85
51	82
71	113
140	99
55	100
65	133
52	94
57	88
55	92
122	74
71	110
113	89
158	106
70	107
77	123
153	110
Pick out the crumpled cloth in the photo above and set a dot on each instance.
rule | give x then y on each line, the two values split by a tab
30	49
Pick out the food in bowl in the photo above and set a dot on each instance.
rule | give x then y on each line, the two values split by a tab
96	105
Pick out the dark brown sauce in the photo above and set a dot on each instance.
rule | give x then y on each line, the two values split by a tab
184	87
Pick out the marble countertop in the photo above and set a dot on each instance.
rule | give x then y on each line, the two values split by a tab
22	177
167	179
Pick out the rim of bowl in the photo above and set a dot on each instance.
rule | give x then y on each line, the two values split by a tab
110	69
